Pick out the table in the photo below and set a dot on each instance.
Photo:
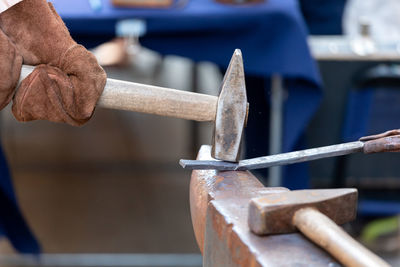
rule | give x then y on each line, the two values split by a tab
339	48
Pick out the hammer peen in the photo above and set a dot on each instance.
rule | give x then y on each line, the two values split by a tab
228	111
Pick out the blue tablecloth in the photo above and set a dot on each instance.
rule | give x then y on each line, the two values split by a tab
323	17
271	35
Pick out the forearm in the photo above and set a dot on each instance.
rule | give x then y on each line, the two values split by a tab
6	4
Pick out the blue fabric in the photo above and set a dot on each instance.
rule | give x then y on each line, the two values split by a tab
371	111
323	17
378	208
12	224
357	114
295	176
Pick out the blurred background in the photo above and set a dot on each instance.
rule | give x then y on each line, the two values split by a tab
111	193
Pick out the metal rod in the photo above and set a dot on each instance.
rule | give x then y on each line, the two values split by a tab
275	138
301	156
277	160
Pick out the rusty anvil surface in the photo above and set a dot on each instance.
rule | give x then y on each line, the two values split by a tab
219	203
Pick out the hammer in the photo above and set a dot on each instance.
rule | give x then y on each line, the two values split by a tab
228	111
316	214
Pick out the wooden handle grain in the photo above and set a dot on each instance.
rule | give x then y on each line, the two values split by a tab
332	238
153	100
158	100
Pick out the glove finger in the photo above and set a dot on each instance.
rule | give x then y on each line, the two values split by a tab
87	78
384	144
10	68
69	96
46	94
381	135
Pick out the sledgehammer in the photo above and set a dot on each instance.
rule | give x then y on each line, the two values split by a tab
315	214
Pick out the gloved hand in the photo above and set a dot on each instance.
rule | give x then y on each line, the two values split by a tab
388	141
10	68
67	82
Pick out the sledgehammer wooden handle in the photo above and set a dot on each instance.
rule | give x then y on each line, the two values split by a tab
324	232
153	100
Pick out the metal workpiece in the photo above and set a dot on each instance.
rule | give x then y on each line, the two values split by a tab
211	164
385	142
277	160
301	156
219	204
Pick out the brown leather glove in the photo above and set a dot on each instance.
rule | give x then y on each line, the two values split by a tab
68	81
388	141
10	69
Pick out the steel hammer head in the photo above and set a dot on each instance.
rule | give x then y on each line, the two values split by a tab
231	112
273	214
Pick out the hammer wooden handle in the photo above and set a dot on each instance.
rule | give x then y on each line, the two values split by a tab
324	232
153	100
158	100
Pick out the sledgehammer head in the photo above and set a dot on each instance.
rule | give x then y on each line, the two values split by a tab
273	214
231	112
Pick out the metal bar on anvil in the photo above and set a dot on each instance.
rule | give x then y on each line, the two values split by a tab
276	160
